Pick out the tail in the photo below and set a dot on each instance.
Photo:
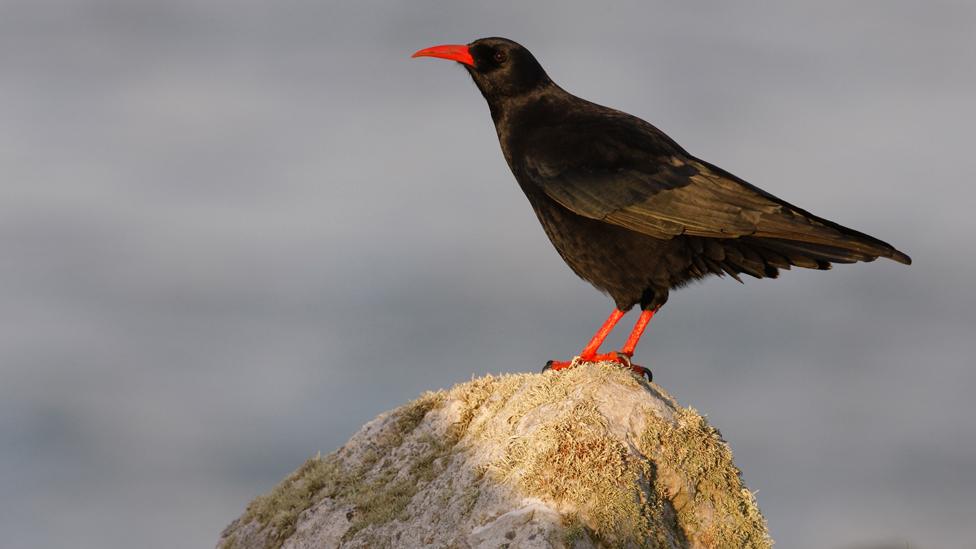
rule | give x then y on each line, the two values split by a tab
807	240
764	257
806	236
850	247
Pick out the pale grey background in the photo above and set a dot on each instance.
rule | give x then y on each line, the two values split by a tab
231	232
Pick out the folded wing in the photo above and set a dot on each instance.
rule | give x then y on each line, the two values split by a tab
679	195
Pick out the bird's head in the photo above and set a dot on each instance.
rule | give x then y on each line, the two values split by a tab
500	68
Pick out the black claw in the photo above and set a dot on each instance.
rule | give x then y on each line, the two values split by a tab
646	374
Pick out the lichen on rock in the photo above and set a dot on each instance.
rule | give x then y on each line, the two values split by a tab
586	457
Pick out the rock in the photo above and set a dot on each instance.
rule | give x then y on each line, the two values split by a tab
585	457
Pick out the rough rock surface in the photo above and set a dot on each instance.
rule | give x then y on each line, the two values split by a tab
585	457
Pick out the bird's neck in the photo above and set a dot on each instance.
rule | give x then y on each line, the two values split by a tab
507	105
514	115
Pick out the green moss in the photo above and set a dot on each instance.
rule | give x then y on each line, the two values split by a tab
379	502
480	400
278	510
407	418
575	531
386	497
469	497
573	462
229	543
710	484
326	477
571	459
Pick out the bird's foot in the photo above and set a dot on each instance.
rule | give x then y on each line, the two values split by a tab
620	358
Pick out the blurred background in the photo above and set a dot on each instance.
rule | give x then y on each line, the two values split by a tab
232	232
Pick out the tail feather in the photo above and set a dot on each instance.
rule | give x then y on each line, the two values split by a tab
764	257
816	255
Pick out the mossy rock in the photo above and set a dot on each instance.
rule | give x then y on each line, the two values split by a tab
586	457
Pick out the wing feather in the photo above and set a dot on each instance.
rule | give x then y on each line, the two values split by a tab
686	196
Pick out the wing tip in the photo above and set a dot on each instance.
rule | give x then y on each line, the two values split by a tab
900	257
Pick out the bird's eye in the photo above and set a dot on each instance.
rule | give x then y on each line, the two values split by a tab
500	56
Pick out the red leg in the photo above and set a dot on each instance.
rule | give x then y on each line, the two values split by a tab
598	338
589	352
622	357
635	335
627	351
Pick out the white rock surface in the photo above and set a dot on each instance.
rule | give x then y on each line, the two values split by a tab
586	457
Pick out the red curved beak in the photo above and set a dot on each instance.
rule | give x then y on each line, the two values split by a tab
454	52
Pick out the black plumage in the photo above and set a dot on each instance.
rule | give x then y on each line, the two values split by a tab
629	209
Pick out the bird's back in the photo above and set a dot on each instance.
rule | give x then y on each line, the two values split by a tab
613	191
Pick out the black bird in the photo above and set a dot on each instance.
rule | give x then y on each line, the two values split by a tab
628	209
